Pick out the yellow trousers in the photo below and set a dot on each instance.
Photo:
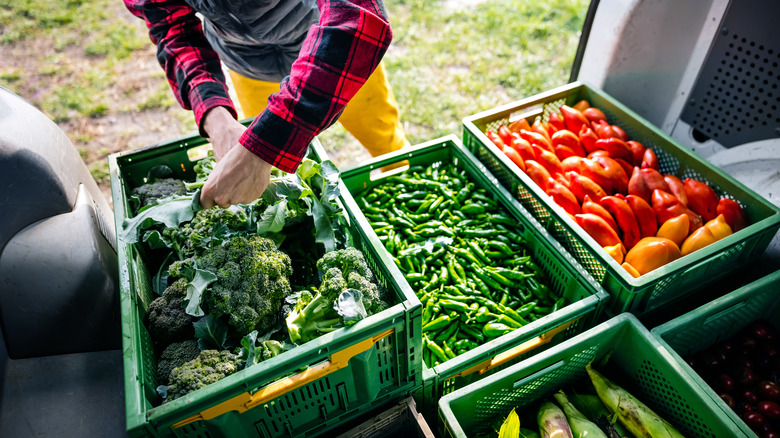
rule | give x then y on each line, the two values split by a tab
371	116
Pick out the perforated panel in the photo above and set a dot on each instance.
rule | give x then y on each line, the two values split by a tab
736	97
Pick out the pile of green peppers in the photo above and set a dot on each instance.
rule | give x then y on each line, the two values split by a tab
464	256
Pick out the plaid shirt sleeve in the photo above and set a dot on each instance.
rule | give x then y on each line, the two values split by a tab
192	67
337	57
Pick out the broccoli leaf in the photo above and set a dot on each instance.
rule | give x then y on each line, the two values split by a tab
170	212
273	218
323	227
195	288
211	333
250	352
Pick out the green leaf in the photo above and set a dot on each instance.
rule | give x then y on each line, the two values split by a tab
323	227
154	240
249	351
511	426
195	289
272	220
211	333
171	213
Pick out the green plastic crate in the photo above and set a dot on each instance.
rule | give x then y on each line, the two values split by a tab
306	391
661	286
585	297
719	320
636	362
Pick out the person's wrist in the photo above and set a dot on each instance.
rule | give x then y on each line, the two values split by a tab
216	118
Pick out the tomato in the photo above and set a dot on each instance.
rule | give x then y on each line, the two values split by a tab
583	186
564	198
593	207
637	151
675	229
564	137
587	138
676	188
555	123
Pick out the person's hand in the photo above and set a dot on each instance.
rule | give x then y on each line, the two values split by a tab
223	130
239	178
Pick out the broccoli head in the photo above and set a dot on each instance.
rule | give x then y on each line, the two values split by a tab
175	355
252	282
372	299
349	260
346	294
166	319
207	229
210	366
150	193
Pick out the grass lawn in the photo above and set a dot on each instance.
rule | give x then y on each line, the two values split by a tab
90	66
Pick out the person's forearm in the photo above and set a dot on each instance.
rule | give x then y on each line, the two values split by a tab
192	67
337	57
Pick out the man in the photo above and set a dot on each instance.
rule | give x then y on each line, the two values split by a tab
327	50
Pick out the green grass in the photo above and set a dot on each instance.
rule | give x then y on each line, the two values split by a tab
448	64
445	63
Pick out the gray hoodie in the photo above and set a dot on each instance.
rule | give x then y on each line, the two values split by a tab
258	39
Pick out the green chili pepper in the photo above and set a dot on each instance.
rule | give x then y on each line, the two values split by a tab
447	350
473	333
457	306
496	329
438	323
472	209
446	333
436	351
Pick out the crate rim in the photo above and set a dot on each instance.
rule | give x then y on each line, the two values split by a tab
705	311
627	281
539	362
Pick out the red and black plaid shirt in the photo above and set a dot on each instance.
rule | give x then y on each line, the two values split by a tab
338	55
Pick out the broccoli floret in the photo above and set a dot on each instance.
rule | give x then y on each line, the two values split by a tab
150	193
166	320
346	275
175	355
348	260
252	282
210	366
207	229
372	299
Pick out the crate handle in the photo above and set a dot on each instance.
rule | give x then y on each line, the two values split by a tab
246	401
541	372
502	358
731	309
